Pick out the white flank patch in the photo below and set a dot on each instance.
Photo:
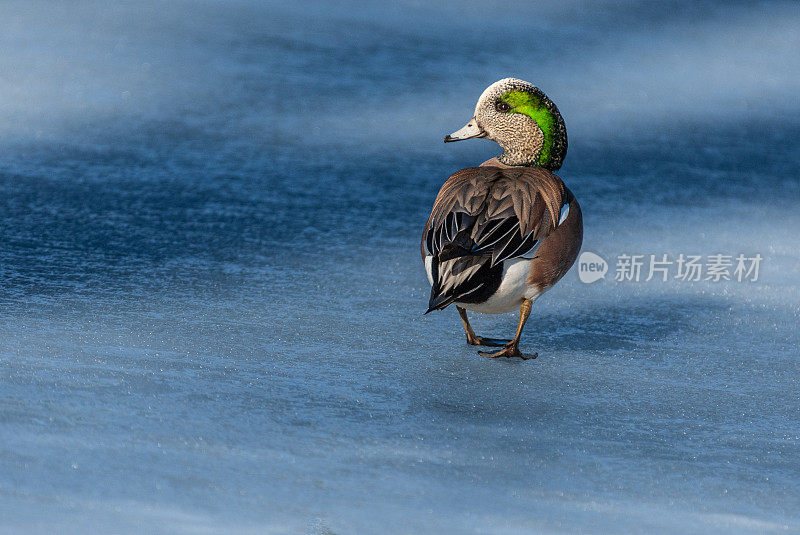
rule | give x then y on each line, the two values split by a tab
428	268
512	290
564	214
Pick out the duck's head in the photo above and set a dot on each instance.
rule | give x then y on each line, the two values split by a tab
522	120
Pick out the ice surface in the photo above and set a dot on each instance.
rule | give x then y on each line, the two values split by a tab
211	296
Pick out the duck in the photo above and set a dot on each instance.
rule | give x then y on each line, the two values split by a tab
501	234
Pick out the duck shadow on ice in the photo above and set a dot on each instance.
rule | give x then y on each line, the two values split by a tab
601	351
625	325
610	327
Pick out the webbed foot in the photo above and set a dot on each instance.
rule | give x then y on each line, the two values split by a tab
490	342
508	351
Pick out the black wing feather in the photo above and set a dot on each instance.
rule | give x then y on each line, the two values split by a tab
474	227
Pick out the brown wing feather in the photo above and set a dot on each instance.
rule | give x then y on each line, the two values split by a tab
531	195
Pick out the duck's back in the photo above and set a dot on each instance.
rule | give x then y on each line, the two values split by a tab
485	216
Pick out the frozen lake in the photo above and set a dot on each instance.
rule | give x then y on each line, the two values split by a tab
211	294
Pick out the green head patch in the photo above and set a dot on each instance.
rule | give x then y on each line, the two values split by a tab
545	114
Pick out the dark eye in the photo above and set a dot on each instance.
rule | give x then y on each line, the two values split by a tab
502	106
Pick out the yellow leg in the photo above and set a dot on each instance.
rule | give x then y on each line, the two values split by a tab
472	338
511	349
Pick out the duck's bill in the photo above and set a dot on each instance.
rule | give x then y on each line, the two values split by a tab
471	130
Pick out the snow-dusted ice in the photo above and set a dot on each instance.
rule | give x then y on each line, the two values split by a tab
211	294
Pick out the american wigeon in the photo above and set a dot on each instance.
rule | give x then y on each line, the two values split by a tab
503	233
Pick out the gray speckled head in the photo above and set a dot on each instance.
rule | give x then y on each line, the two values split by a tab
521	119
